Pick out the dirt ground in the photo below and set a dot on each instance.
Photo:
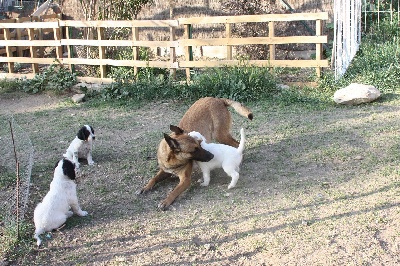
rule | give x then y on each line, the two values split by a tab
317	187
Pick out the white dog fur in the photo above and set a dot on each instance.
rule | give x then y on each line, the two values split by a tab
81	147
225	156
55	207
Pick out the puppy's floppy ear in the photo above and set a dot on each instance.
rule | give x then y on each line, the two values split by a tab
176	130
69	169
81	133
172	143
91	128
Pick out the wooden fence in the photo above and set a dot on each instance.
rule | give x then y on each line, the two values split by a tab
14	44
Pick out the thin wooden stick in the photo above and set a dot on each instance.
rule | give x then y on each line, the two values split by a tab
17	179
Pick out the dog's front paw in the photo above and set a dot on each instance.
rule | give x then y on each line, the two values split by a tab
163	205
231	186
143	190
204	184
91	162
83	213
140	191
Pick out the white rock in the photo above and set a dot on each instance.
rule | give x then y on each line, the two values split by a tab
77	98
356	94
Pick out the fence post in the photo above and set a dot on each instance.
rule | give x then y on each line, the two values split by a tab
7	36
39	35
19	37
102	52
318	48
271	34
135	36
70	48
172	52
228	36
188	49
33	51
57	37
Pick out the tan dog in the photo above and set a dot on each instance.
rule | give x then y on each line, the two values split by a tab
175	155
211	117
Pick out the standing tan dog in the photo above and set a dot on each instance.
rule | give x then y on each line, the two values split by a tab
211	117
175	155
177	151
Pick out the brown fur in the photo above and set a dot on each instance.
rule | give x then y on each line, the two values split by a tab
175	154
211	117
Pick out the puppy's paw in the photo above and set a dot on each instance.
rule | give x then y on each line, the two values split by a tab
204	184
83	213
231	186
69	213
91	162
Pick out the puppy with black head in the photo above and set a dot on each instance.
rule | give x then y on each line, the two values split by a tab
56	206
81	147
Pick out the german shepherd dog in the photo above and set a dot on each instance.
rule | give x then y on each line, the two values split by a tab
177	151
175	155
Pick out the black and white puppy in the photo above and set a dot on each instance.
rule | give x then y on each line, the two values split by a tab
56	206
81	147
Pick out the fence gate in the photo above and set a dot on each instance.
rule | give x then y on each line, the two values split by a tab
347	34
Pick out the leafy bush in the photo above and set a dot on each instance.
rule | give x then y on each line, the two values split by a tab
55	78
241	83
9	85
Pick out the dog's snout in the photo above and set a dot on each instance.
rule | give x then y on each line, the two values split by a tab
206	156
94	137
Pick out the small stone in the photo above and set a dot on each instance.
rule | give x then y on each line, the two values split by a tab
77	98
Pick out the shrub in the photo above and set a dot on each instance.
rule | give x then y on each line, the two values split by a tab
55	78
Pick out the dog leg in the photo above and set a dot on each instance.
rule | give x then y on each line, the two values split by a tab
76	208
90	159
37	237
235	178
184	183
206	177
75	160
161	175
227	140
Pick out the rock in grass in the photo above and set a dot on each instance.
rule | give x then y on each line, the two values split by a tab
77	98
355	94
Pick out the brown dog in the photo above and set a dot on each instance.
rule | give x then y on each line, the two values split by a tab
211	117
175	154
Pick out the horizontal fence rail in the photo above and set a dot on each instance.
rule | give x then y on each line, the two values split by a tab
14	43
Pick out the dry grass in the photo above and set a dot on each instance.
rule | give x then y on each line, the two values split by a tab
317	187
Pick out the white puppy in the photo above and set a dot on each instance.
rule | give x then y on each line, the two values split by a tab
54	210
225	156
81	146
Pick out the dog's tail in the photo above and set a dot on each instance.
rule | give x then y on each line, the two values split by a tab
242	140
239	108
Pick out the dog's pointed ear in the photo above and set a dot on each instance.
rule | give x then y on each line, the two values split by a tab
172	143
176	130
